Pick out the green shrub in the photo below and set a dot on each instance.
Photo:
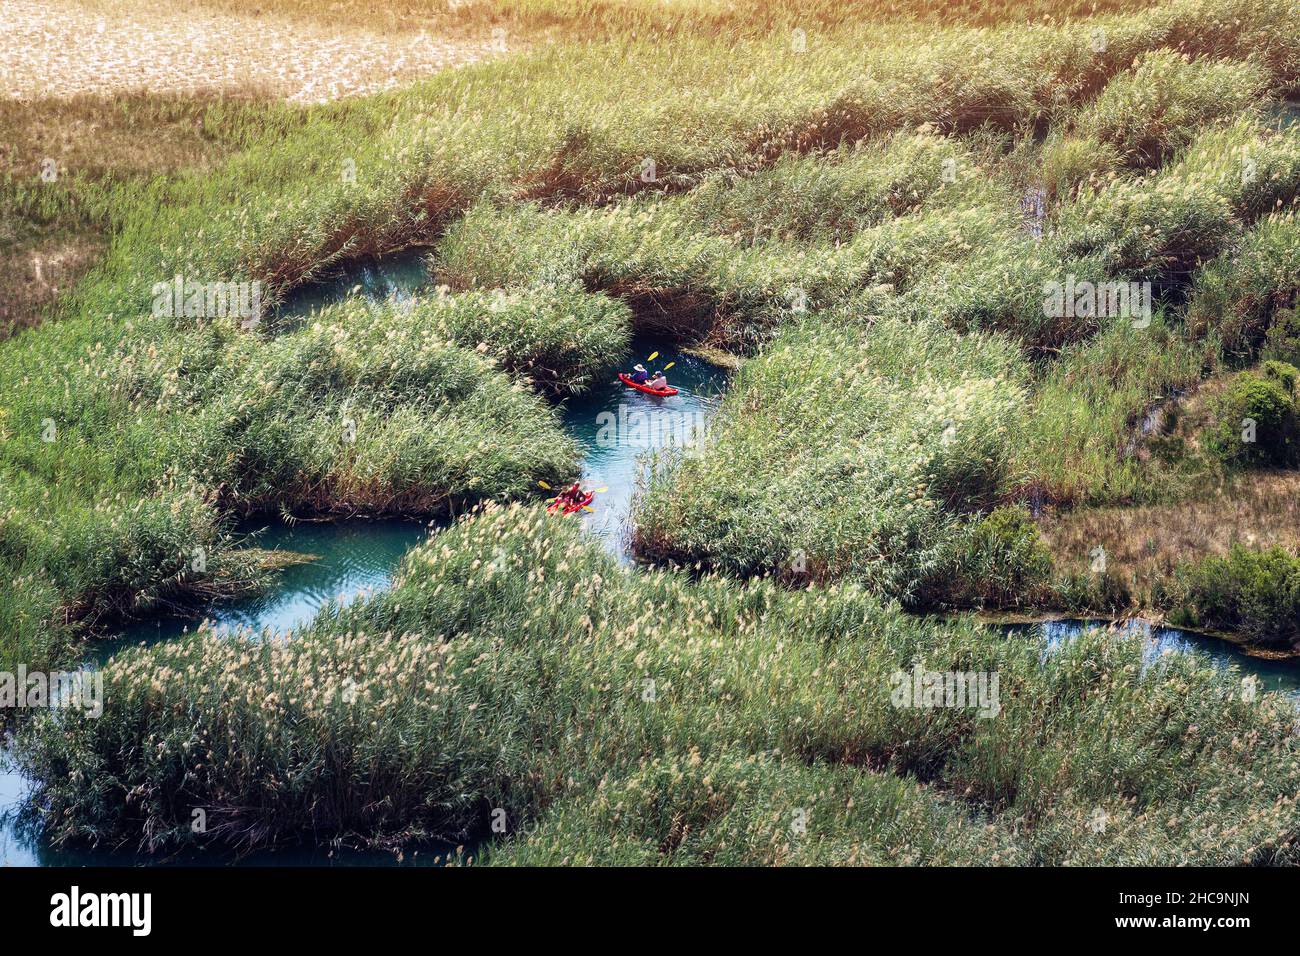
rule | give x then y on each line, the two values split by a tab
1256	423
1094	593
1283	372
1003	563
1282	341
1254	593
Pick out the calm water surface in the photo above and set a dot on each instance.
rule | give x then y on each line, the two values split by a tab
1271	675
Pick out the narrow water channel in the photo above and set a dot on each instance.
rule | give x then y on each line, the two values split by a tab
614	426
1270	675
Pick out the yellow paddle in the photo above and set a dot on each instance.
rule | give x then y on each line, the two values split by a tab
595	491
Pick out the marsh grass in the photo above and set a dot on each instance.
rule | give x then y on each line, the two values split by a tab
1092	406
1239	294
559	337
1160	105
1085	412
845	451
515	668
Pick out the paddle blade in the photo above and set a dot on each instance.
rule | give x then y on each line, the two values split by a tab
544	485
669	365
589	508
653	356
601	491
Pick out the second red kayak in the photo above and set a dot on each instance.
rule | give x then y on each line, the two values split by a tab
660	392
571	508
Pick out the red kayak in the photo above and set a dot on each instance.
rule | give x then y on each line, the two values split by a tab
660	392
571	507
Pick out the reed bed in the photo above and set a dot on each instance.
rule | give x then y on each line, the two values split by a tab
1068	436
516	674
845	452
1238	295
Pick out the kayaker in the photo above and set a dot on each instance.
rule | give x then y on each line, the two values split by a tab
639	375
659	381
572	495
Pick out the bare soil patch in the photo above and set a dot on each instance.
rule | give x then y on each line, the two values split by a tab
63	48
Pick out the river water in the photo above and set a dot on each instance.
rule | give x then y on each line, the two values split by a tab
614	426
1270	675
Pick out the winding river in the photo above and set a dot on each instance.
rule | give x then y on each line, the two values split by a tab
353	558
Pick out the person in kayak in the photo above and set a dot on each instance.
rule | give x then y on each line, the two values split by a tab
572	495
639	375
659	381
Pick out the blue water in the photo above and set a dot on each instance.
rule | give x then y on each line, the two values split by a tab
1271	675
1286	114
617	427
397	278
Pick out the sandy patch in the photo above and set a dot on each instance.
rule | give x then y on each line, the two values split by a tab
60	48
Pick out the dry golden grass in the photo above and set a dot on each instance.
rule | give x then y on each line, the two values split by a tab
35	274
49	234
1258	510
590	19
93	136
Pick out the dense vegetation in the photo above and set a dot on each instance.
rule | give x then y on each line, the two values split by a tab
872	222
1256	593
